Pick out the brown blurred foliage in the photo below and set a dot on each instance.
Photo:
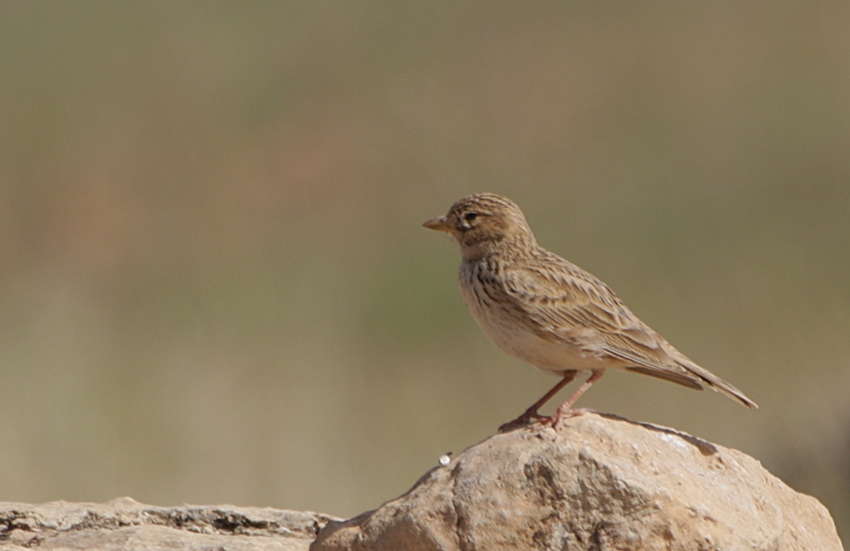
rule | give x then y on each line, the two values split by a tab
214	286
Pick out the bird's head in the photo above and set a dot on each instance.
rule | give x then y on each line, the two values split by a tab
483	224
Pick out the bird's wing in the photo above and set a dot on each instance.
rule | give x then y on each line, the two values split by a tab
560	301
563	303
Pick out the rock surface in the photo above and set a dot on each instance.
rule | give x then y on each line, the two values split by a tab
598	483
128	525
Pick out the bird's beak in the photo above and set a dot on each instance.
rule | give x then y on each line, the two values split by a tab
438	224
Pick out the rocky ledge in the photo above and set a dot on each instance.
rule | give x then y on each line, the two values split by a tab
598	483
128	525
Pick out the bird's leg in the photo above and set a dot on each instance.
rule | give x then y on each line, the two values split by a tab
531	413
565	409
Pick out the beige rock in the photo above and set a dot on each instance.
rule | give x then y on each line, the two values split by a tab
599	483
128	525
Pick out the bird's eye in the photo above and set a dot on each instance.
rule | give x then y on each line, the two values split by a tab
470	216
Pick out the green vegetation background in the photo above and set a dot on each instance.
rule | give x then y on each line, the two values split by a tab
214	286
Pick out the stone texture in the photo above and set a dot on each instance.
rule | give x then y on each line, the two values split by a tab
599	483
128	525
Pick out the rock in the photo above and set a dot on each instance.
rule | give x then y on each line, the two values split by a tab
598	483
128	525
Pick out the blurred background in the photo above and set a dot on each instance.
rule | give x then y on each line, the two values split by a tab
215	286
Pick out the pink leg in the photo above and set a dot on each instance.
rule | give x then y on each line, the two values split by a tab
565	410
531	413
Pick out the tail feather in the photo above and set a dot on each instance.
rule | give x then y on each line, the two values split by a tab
718	384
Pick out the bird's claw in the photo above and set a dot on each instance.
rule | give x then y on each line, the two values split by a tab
533	420
527	419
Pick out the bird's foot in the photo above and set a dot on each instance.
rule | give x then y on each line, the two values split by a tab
529	418
561	416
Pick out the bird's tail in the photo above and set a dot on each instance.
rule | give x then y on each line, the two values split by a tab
717	384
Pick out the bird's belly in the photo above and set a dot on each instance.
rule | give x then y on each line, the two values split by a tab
550	356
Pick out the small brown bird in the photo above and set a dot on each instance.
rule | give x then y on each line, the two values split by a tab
540	308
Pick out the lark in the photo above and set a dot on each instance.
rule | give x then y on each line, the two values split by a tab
548	312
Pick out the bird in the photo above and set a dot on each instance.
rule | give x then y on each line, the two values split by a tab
548	312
